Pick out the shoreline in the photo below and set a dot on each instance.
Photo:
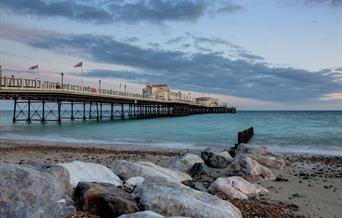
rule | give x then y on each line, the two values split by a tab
299	151
310	185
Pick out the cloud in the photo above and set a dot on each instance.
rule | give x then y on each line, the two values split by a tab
332	96
175	40
210	72
214	41
332	3
246	55
102	12
229	7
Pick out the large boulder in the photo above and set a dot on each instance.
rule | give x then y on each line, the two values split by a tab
104	199
145	214
171	198
235	187
187	162
262	155
216	159
89	172
126	169
28	191
251	169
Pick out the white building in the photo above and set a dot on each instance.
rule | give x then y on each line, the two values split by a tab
162	92
207	101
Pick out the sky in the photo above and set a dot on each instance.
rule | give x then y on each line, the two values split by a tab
253	54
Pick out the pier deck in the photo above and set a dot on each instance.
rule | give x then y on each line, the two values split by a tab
45	101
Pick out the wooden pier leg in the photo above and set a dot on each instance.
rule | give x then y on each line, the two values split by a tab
129	110
101	111
111	111
15	111
72	111
97	111
134	112
90	105
122	111
84	109
43	112
59	119
29	112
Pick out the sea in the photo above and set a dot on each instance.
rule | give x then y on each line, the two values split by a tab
312	132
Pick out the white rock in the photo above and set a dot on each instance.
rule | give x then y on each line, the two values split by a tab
126	169
171	198
89	172
187	162
145	214
235	187
132	182
262	155
251	169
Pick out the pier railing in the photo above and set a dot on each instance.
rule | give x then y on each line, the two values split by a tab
35	84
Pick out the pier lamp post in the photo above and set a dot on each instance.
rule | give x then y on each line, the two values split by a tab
62	79
125	88
99	85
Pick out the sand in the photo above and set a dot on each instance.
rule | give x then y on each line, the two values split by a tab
310	186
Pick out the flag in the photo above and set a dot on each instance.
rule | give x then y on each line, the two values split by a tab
79	64
34	67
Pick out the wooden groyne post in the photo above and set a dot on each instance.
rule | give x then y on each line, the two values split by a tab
245	135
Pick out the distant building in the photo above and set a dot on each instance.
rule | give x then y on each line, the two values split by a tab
207	101
161	92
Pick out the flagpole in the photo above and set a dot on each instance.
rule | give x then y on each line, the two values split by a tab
82	76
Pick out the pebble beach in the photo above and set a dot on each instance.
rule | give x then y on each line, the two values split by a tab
307	186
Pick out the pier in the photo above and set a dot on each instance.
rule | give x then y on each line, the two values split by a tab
46	101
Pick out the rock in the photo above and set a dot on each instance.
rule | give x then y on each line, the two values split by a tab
215	159
235	187
251	169
187	162
262	155
134	182
142	214
199	169
89	172
145	214
171	198
126	169
104	199
199	186
26	191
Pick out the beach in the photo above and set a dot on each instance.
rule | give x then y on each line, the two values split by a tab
309	185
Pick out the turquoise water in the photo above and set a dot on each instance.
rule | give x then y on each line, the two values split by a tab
310	132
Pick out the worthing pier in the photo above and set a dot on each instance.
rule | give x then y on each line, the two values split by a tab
46	101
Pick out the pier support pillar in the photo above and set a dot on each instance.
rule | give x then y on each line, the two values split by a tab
15	111
28	120
72	111
97	111
59	119
112	111
122	111
90	105
43	112
84	109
